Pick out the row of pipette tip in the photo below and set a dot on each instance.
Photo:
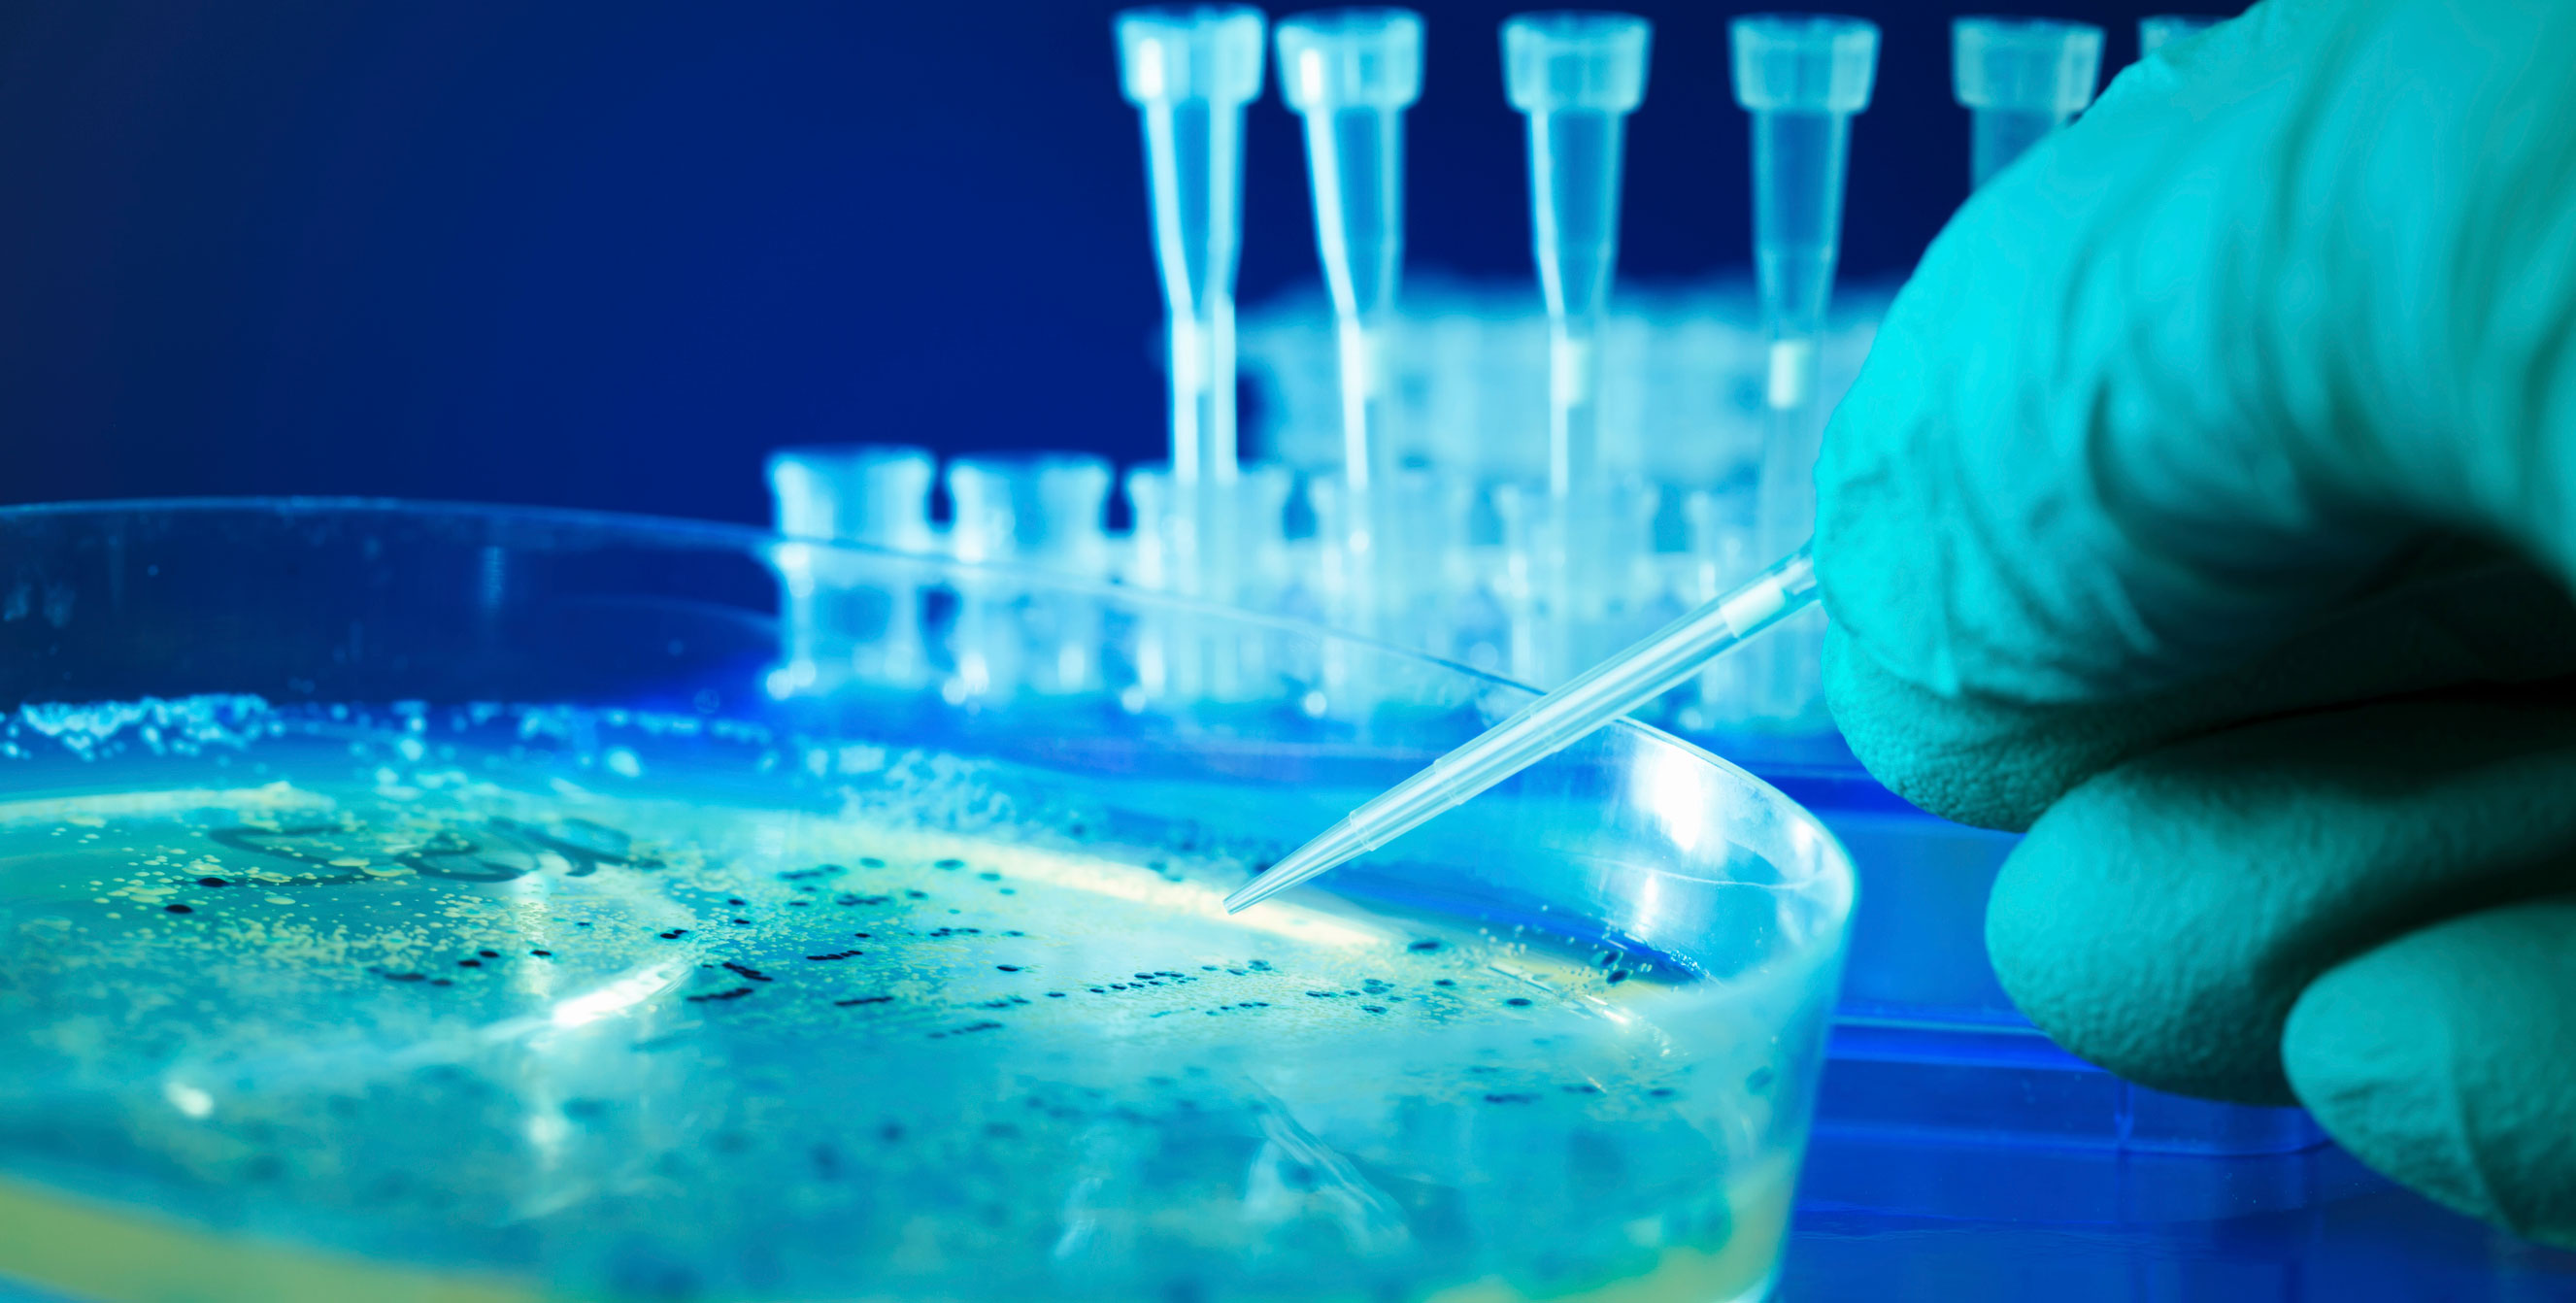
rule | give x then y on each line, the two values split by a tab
1691	645
1416	524
1350	74
1463	382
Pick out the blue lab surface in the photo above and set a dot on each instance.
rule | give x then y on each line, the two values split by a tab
1888	1219
1927	1046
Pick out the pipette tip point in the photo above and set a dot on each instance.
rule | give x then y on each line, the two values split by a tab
1279	877
1248	895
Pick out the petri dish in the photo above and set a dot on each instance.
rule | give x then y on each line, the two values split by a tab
433	902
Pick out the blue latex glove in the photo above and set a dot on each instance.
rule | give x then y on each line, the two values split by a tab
2207	507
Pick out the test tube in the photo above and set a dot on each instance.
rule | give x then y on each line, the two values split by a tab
1032	509
1427	567
1190	71
1576	76
1181	656
1350	74
1520	587
1801	77
1149	560
878	494
2155	31
2019	79
1244	668
1041	509
1433	533
835	626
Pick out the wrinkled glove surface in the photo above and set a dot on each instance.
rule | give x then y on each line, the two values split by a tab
2207	508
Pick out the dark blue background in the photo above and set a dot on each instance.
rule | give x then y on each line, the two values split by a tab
606	255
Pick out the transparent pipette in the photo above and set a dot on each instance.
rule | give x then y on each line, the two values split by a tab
1190	71
2155	31
1350	74
1577	76
1800	77
1611	689
2019	79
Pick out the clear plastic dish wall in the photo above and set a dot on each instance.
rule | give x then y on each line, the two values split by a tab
1929	1042
1114	721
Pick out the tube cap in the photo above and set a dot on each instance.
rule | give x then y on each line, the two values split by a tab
1350	58
2155	31
2027	65
859	493
1575	59
1803	63
1030	506
1193	52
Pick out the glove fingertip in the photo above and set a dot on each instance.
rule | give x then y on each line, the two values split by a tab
1940	754
2446	1059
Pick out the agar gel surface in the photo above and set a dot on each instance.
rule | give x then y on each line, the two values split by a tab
388	1007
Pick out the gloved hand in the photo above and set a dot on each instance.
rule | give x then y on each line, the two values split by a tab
2207	507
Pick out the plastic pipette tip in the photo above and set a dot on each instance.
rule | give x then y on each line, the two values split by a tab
1645	670
1330	851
